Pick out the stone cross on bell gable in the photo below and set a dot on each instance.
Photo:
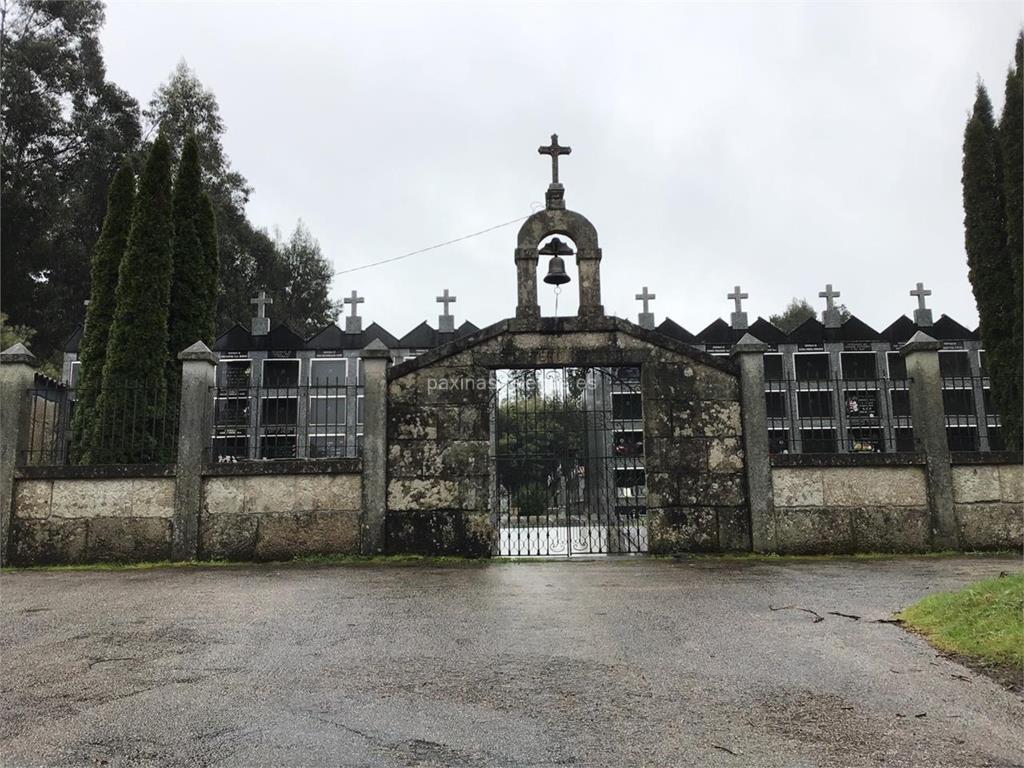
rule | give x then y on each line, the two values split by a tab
446	321
555	196
738	318
831	315
554	150
922	315
353	322
646	316
261	323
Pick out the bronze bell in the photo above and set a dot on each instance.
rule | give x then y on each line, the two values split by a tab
556	266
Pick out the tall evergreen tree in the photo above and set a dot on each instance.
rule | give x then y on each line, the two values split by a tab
106	264
206	226
137	352
190	312
1011	138
988	261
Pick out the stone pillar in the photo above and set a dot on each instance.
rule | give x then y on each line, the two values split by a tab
526	282
749	354
929	421
195	425
588	265
17	374
375	358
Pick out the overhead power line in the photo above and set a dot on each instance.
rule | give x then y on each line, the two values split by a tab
432	247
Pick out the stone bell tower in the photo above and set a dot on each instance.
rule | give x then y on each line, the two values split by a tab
555	219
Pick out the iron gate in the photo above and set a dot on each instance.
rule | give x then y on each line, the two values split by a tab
568	462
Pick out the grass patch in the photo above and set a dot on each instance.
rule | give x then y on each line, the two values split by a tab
983	622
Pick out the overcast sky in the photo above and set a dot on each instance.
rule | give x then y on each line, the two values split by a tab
777	147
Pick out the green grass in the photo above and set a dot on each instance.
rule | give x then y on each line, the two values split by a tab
983	622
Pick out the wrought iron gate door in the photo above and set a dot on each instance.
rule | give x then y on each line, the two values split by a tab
568	467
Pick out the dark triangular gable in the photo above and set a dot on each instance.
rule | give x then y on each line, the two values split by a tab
674	330
810	331
74	342
379	333
329	337
719	333
948	329
283	337
855	329
234	339
901	329
763	330
420	337
465	329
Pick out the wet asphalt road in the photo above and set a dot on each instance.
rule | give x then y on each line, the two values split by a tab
582	663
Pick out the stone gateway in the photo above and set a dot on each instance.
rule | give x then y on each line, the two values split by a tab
683	483
533	436
440	494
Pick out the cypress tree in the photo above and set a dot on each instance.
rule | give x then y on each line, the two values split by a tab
189	312
206	225
988	259
1011	138
133	397
106	263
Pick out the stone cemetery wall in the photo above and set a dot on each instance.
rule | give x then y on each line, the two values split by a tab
250	511
438	465
79	520
842	509
280	514
879	503
989	504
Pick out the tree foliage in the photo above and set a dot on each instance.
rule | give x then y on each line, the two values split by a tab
988	255
191	311
1011	142
798	312
294	271
106	265
64	132
300	280
137	353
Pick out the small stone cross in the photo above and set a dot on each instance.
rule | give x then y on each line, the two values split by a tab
354	323
646	317
446	300
738	319
353	300
646	298
738	298
829	296
922	315
446	321
261	323
554	150
920	292
831	314
261	301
